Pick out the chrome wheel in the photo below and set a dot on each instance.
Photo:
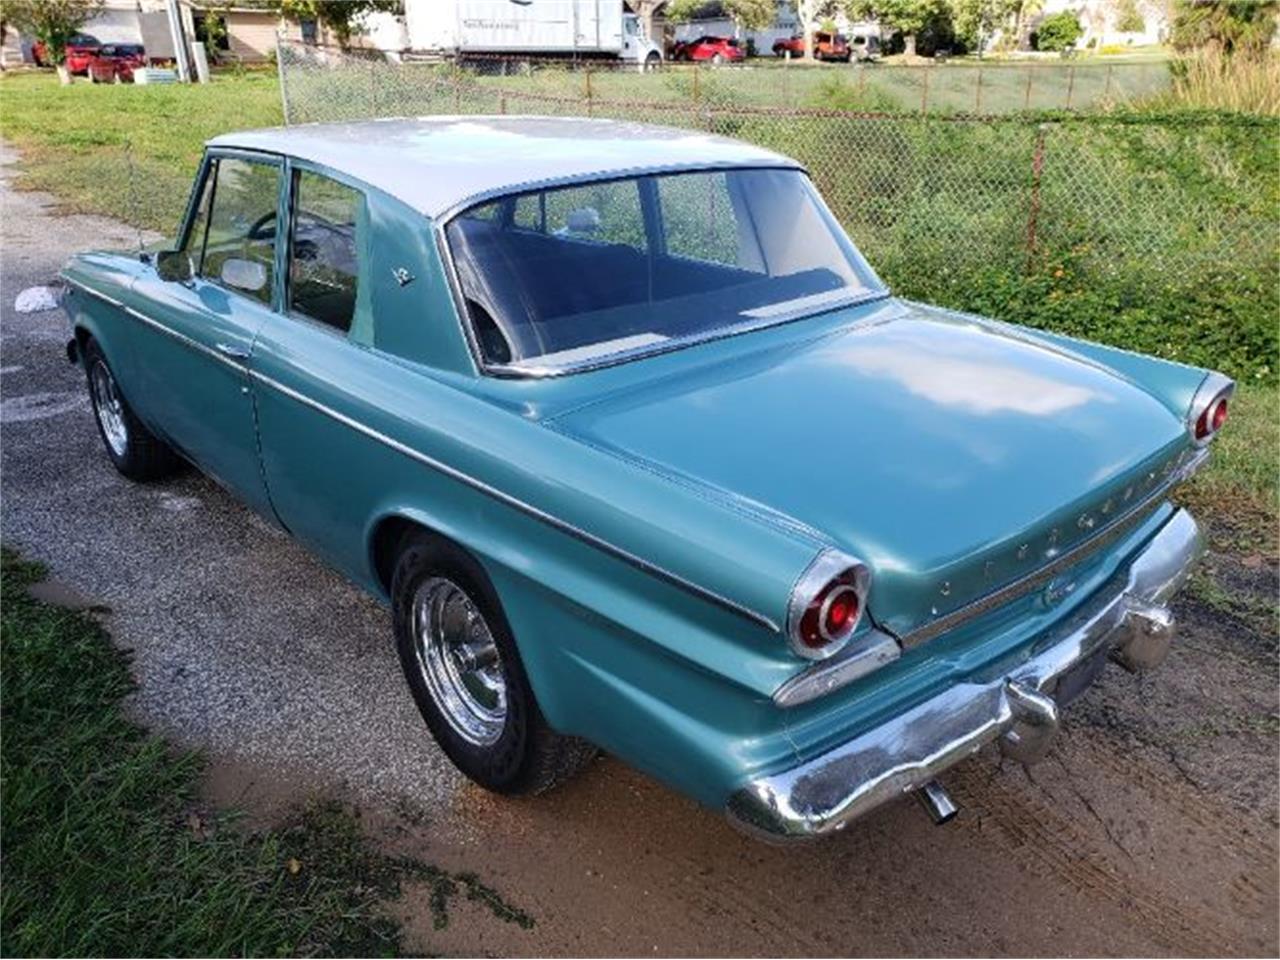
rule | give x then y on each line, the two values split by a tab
459	661
109	409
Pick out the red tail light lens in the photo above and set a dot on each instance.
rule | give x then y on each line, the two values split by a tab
827	604
1209	408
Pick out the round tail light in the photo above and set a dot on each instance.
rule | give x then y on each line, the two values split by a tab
827	604
1210	407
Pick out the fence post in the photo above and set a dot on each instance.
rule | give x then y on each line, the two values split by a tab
502	103
977	97
587	76
1026	99
696	95
1106	93
284	87
1071	84
924	91
862	78
1033	212
457	88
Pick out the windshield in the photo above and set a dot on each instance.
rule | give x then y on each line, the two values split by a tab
568	277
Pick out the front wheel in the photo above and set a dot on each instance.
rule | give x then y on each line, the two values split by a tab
466	676
653	62
134	450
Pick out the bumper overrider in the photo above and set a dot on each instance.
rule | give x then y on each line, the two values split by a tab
1017	706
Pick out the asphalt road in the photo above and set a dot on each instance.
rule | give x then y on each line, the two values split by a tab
246	647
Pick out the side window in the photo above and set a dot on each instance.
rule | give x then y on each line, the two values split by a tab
529	212
699	220
323	252
194	246
239	251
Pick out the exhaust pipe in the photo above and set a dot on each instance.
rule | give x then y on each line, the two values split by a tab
937	802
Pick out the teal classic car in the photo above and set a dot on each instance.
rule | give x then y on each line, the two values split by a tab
643	456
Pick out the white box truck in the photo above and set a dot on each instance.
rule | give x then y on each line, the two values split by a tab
530	28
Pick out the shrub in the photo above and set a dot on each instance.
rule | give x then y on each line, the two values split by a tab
1057	32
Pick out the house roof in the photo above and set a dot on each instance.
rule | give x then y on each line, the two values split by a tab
438	165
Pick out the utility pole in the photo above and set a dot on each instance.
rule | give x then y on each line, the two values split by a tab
179	41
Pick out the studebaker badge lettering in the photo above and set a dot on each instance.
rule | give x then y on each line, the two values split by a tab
567	464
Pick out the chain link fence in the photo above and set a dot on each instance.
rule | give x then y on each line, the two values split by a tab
957	208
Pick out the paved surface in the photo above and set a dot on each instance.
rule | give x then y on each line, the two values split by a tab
1133	838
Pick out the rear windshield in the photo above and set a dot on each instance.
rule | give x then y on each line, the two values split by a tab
573	276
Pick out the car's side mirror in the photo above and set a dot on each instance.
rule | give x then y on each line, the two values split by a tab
173	265
247	275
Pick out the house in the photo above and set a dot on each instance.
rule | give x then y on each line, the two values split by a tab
1109	23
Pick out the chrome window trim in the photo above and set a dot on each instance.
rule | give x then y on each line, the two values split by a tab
1024	585
475	483
627	173
516	371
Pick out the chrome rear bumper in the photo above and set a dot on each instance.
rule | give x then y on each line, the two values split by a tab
1127	620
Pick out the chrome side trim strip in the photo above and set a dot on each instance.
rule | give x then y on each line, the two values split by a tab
91	291
528	509
1021	587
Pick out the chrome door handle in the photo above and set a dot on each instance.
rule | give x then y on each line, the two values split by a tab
231	351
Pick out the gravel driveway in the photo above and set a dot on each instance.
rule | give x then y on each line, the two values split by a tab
1132	838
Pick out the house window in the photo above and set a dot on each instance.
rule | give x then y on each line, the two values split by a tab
308	28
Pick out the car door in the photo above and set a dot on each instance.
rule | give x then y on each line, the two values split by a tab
313	356
193	358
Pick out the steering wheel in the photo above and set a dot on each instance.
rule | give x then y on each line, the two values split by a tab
258	230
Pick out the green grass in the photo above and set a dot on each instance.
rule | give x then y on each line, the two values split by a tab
126	151
107	853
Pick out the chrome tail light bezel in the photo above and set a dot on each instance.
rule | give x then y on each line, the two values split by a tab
1214	388
830	565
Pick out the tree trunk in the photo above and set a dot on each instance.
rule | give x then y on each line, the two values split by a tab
64	75
909	46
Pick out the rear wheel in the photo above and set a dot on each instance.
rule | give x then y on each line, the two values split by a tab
466	676
134	450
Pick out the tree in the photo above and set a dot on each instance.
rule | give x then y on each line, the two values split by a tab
975	21
746	14
1058	32
1227	27
342	18
907	16
1023	11
810	13
1129	18
53	23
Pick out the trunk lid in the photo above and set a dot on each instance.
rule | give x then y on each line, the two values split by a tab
952	456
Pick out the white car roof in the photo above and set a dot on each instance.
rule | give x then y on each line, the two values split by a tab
438	165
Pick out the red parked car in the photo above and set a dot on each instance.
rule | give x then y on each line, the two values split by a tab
80	50
115	62
826	46
714	49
